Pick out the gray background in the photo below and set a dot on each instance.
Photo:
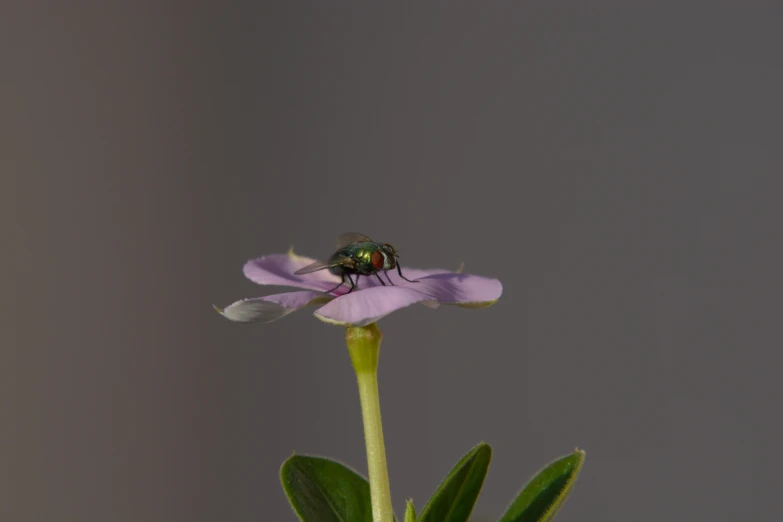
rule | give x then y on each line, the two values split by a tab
615	164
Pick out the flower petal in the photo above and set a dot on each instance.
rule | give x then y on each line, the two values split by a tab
278	269
272	307
360	308
460	289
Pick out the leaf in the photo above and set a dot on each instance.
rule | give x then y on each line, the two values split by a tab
540	500
410	512
322	490
454	499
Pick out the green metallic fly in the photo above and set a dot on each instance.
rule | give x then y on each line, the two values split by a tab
359	255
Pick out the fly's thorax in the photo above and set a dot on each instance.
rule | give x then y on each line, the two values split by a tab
361	256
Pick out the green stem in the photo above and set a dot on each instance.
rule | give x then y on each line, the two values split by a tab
364	345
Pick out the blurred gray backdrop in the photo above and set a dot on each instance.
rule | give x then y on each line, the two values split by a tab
616	164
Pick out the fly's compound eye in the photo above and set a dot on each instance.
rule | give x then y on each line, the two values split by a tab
377	259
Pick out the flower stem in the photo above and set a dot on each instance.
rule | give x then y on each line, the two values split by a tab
364	345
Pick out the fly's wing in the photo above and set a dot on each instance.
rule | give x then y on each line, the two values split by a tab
320	265
312	267
349	238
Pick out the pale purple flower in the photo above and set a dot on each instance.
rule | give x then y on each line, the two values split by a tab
367	303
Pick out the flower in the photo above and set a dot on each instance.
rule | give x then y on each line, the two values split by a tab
367	303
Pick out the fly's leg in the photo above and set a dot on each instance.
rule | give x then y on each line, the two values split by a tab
338	286
353	285
379	278
399	271
386	273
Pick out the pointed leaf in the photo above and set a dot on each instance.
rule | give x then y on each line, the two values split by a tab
410	512
322	490
454	499
543	496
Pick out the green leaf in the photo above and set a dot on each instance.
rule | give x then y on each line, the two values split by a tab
322	490
410	512
454	499
543	496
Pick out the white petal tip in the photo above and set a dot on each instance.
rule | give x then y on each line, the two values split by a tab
477	304
330	321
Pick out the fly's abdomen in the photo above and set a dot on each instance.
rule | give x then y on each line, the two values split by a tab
338	270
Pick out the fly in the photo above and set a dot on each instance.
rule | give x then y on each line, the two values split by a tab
358	255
